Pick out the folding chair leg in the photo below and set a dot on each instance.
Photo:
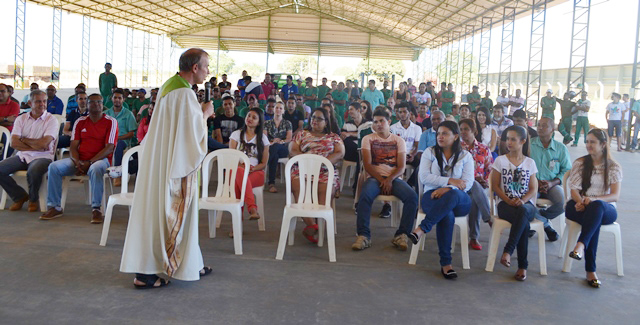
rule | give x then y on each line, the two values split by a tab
107	223
331	241
282	243
236	218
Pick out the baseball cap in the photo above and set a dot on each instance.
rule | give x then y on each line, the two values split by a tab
141	90
549	91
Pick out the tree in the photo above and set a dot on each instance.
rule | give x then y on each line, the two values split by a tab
380	68
226	63
304	66
346	71
256	71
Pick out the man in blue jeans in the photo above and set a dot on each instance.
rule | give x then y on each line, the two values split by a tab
384	158
92	142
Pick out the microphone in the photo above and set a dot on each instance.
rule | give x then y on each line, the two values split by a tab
207	92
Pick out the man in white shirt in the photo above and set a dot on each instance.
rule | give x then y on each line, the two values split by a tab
33	136
503	100
614	119
516	102
410	133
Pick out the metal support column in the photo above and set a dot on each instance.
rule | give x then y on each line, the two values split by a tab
160	61
579	42
318	61
431	66
86	46
18	58
56	43
128	68
508	24
454	75
635	79
449	57
269	50
483	62
109	52
145	58
536	48
442	68
467	61
218	52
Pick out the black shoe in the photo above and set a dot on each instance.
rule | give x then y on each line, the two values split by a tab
450	275
386	211
414	238
551	233
531	233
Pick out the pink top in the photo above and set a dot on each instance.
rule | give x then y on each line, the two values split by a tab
143	128
25	126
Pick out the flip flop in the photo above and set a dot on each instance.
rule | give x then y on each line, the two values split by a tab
309	233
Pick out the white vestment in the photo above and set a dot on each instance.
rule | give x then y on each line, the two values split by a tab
159	240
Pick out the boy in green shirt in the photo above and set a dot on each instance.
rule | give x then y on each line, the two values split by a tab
486	101
323	89
386	92
474	98
310	94
107	82
548	104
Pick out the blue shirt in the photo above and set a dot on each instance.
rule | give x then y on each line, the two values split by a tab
241	84
552	162
431	178
287	90
427	140
71	104
55	106
374	97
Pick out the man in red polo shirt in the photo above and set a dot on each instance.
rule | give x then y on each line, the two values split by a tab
92	142
9	110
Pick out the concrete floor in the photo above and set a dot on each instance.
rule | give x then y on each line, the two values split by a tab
55	272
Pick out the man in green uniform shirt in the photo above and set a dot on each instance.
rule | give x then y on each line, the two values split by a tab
582	120
548	104
474	98
340	99
566	108
140	101
387	92
310	94
323	89
487	102
301	86
107	82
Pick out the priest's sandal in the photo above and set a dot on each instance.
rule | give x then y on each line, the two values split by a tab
150	282
205	271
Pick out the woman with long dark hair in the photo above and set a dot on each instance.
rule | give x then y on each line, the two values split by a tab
319	140
487	135
594	181
513	180
251	140
446	172
333	121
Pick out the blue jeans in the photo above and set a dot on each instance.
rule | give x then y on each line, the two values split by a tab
212	144
595	214
118	152
65	167
634	140
399	189
442	212
276	151
556	196
519	217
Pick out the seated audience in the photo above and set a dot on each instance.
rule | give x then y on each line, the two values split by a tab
126	128
225	124
294	115
428	137
279	133
383	156
483	161
251	140
594	181
9	111
92	143
487	134
33	136
553	161
410	133
514	182
446	172
317	140
54	104
81	100
519	118
500	122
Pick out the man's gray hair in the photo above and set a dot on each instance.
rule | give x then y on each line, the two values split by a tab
438	112
190	58
36	93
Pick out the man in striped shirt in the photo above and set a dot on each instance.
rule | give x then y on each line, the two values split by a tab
92	142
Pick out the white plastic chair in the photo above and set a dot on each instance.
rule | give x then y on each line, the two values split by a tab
544	203
122	198
573	230
461	222
228	161
500	224
87	189
307	206
344	177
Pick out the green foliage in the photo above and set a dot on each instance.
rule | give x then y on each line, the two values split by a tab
226	64
380	69
305	66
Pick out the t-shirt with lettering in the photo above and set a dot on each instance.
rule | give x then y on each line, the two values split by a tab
384	152
227	125
514	180
250	147
94	137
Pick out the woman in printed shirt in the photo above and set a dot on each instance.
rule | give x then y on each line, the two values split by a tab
513	180
483	161
446	171
594	181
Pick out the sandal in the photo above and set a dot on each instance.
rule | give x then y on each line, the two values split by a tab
150	281
205	271
594	283
272	189
254	215
310	233
506	262
520	277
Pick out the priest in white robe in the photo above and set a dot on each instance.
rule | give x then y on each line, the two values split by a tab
162	236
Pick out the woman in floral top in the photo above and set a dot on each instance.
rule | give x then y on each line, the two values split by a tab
483	161
317	139
594	181
279	131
